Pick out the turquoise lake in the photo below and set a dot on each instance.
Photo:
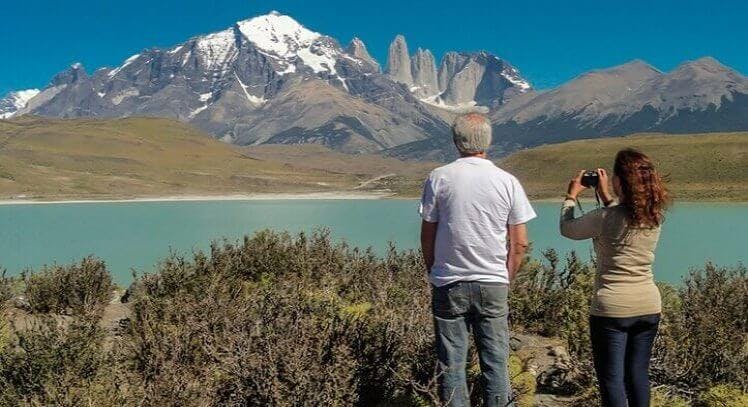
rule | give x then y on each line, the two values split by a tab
136	235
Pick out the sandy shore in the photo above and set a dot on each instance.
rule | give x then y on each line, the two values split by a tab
196	198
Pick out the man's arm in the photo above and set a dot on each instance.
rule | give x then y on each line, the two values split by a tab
518	244
428	239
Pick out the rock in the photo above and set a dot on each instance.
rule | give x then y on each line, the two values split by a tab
357	49
480	78
21	302
398	62
423	69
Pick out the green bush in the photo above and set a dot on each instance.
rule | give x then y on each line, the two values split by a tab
723	396
6	288
284	321
58	362
543	292
661	398
277	319
703	339
81	288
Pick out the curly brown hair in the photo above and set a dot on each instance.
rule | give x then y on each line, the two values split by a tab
643	190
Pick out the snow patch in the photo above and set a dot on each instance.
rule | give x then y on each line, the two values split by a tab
206	96
16	101
21	98
512	75
127	62
175	50
117	99
470	106
197	111
216	49
252	98
318	63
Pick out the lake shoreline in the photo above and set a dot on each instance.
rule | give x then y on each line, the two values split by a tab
337	195
280	196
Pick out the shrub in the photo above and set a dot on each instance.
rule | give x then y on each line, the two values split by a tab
6	288
284	320
57	362
661	398
723	396
543	292
77	289
703	341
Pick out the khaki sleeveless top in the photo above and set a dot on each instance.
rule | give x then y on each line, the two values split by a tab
624	284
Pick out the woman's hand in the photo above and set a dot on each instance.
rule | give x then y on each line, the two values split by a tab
604	187
575	186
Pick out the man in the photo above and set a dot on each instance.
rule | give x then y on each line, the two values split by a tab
469	208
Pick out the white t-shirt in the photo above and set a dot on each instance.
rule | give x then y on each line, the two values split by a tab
473	201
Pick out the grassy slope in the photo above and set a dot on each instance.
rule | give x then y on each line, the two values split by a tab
140	157
119	158
373	172
700	166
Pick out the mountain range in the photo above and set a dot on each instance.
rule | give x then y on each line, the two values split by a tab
268	79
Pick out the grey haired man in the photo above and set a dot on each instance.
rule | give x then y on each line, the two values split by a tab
473	237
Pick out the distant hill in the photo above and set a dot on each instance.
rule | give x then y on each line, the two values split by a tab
60	159
701	96
372	171
136	157
700	166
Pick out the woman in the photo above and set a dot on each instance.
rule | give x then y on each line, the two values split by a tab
625	309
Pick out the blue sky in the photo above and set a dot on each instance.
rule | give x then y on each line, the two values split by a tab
549	41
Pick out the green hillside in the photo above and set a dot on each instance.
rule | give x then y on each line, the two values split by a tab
700	166
136	157
146	157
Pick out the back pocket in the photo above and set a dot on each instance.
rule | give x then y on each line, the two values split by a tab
493	299
450	300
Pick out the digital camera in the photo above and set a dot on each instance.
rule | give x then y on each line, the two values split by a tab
590	179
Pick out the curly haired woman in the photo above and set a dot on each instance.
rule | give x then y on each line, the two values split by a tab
625	309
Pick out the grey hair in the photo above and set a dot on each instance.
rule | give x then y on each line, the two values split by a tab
471	133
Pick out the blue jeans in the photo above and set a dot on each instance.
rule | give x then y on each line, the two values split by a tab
621	349
482	307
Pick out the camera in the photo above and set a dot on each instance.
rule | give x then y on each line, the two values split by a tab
590	179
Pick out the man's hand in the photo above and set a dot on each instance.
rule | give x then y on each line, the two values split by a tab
518	243
428	240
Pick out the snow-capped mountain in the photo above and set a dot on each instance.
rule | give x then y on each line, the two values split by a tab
14	101
242	85
268	79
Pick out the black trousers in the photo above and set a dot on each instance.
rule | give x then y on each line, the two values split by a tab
621	349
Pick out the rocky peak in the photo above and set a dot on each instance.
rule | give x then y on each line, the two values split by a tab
357	49
478	78
706	67
398	61
423	69
75	73
450	65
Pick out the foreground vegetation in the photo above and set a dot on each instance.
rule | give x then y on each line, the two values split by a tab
298	320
